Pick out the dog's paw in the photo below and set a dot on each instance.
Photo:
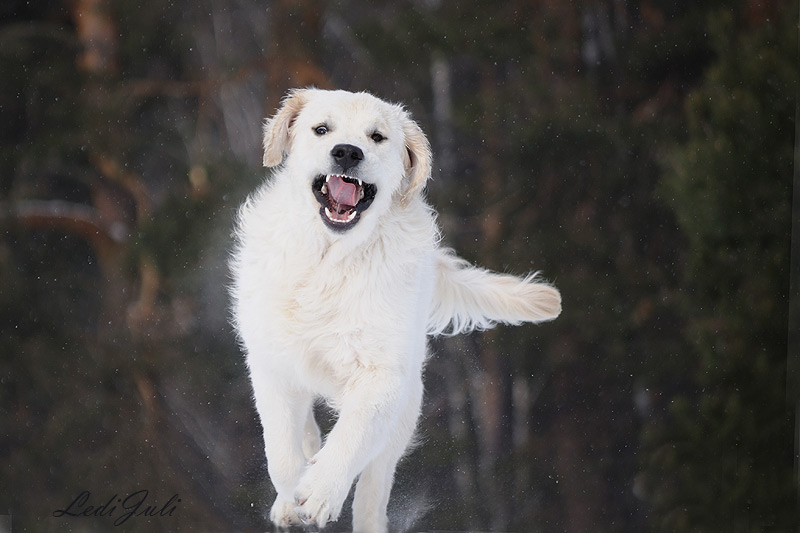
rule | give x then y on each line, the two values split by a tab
283	514
319	497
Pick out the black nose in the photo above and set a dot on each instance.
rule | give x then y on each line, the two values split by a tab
347	155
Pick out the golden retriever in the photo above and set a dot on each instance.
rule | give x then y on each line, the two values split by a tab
338	279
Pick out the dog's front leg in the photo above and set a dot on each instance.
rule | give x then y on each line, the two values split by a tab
283	414
372	404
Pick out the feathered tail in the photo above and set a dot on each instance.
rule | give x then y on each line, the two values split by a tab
468	298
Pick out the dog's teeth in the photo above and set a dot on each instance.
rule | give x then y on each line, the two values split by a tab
328	213
360	183
351	216
324	189
361	194
327	178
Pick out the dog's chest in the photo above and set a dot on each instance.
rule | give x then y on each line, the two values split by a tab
343	314
340	300
331	331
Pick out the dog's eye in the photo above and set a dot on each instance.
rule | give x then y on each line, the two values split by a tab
377	137
321	130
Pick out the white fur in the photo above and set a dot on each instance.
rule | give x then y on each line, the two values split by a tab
344	315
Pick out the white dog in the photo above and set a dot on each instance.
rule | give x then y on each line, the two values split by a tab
338	280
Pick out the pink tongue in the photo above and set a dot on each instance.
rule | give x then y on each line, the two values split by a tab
342	192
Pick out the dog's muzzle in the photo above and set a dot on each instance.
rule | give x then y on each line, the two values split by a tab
342	199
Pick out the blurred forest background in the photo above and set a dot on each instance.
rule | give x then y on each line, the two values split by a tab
640	153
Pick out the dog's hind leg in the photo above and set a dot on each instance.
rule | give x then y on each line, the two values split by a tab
375	483
312	439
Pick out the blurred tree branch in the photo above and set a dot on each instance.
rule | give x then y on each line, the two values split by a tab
98	34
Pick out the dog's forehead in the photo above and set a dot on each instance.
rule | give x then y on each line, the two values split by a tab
351	110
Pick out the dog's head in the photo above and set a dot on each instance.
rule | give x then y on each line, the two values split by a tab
350	151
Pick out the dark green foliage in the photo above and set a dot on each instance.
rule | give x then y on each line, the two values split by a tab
725	458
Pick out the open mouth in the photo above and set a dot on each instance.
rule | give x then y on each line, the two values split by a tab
342	198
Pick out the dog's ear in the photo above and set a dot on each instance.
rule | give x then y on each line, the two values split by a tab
417	158
276	129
